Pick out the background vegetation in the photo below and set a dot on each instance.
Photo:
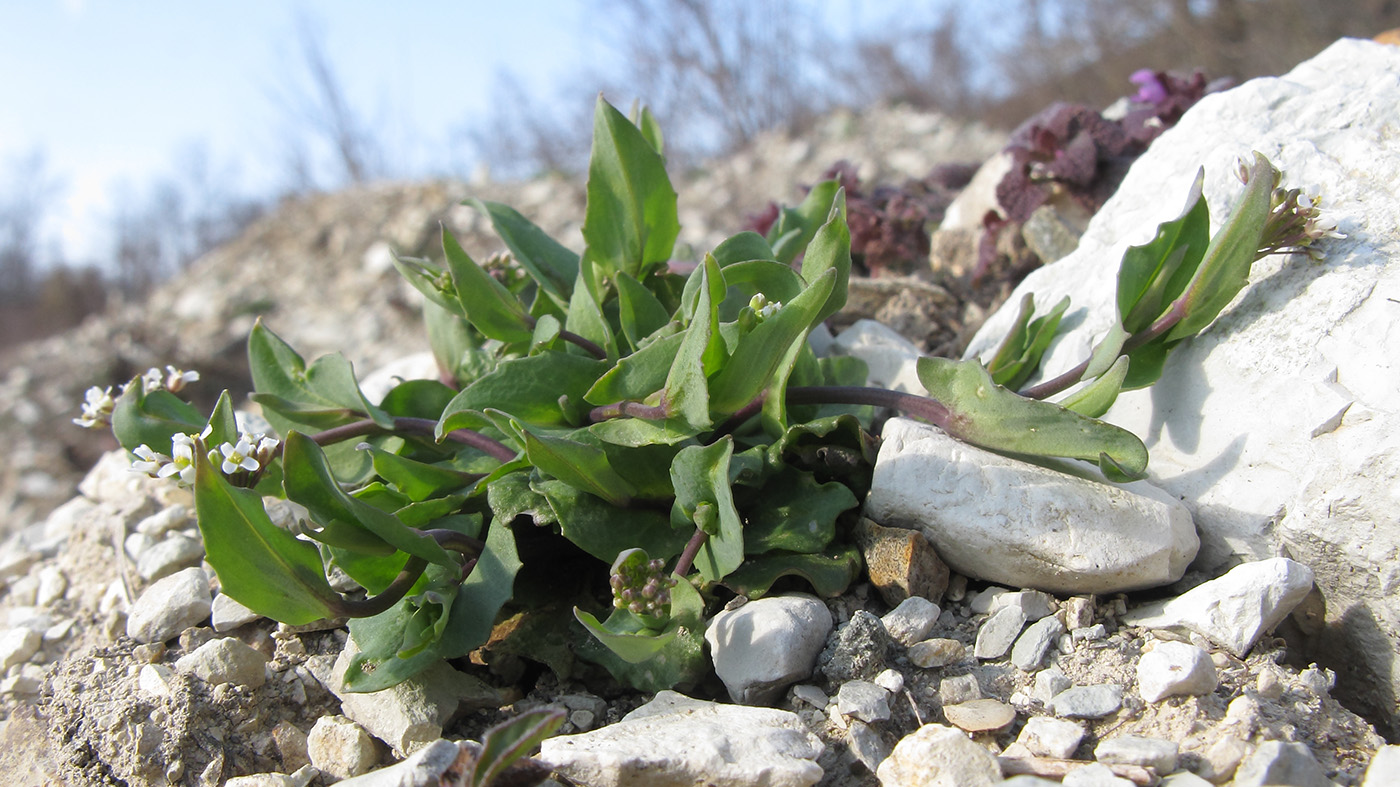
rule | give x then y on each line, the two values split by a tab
716	73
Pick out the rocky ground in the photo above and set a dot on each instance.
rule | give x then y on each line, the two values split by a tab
123	665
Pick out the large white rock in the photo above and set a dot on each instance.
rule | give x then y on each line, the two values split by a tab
765	646
1278	425
1007	521
675	740
1235	609
938	756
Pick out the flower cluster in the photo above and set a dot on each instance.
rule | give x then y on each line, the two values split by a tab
242	461
172	379
641	586
97	408
1295	220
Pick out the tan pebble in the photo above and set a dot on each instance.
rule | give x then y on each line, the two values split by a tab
932	653
980	715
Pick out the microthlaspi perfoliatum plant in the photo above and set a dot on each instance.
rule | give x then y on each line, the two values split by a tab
612	443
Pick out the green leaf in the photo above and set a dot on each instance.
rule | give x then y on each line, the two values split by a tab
431	280
309	482
830	249
651	130
486	303
1094	399
829	573
418	480
1225	269
640	311
511	740
223	426
299	396
743	247
687	392
451	338
630	222
152	419
1147	273
1020	352
553	266
603	530
585	315
417	399
483	593
262	566
581	466
680	661
392	645
796	227
988	415
627	636
1106	352
795	513
778	282
638	375
765	349
700	475
527	388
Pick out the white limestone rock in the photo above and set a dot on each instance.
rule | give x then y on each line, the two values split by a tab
938	756
1173	668
1233	610
341	748
766	645
1046	736
912	620
676	741
18	645
1008	521
890	358
225	660
169	606
424	768
1278	425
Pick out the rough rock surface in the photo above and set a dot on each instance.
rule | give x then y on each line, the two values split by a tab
1004	520
1314	341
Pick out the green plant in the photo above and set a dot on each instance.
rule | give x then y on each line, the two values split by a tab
609	426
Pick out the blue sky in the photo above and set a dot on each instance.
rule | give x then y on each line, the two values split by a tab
117	95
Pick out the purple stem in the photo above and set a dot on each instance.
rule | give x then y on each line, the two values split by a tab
692	548
1069	378
422	426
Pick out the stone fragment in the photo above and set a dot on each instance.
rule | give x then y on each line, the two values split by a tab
857	652
17	646
227	614
261	780
1045	736
911	621
225	660
411	714
863	700
1221	759
1035	642
53	583
981	603
1035	604
1093	633
890	358
1233	610
169	606
1079	612
156	680
167	519
1088	702
423	768
1383	768
938	756
959	689
1008	521
291	745
998	632
934	653
169	555
980	715
1095	775
867	744
1049	682
811	695
1185	779
1314	342
341	748
675	740
1155	753
901	563
1277	762
890	680
765	646
1173	668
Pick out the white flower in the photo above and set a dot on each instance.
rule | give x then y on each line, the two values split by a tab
238	457
152	380
97	409
770	309
150	462
181	460
177	379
